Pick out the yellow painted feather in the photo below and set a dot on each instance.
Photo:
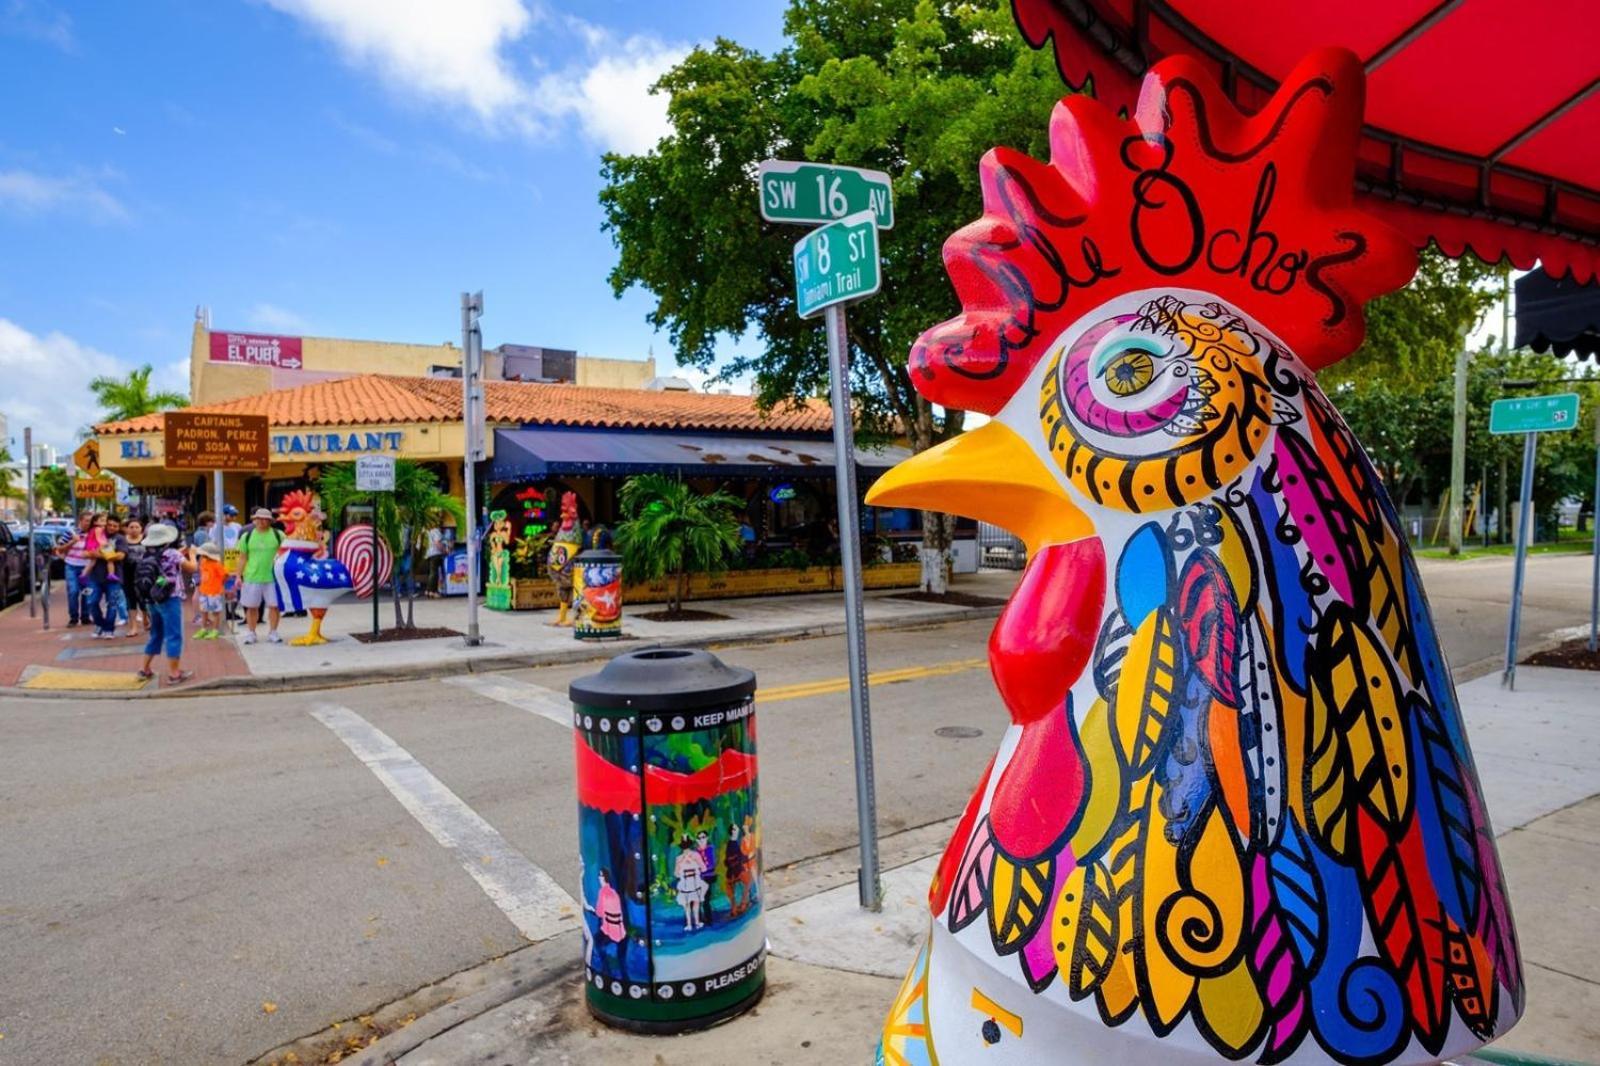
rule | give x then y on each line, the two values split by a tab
1106	784
1232	1007
1167	986
1145	695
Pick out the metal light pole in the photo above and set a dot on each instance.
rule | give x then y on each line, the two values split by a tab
844	477
472	413
33	570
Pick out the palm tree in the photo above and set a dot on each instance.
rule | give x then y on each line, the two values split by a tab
416	503
130	397
6	473
669	529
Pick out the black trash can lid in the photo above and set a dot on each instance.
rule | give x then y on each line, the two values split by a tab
659	679
598	555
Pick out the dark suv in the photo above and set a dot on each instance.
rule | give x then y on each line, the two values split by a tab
13	565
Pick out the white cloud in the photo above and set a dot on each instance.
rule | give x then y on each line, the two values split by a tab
611	98
35	20
47	383
459	54
31	193
451	52
275	319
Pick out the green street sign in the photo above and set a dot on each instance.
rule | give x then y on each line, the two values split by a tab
1534	414
836	263
813	193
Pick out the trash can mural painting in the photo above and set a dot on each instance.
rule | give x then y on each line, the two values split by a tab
670	840
597	595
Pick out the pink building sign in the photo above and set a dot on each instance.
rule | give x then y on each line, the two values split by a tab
253	349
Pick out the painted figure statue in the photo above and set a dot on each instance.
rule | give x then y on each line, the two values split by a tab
309	577
1235	816
498	541
564	548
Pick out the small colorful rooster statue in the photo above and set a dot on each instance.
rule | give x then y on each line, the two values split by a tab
1235	817
564	549
309	578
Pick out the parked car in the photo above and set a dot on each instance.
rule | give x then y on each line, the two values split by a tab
13	566
45	543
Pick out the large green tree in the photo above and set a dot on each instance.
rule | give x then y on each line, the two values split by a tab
918	89
131	396
1397	390
52	484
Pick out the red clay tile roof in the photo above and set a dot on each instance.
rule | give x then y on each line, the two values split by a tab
371	399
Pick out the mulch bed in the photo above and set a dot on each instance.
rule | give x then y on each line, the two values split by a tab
685	615
952	599
389	636
1573	655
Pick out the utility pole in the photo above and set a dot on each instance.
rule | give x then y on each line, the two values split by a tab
473	414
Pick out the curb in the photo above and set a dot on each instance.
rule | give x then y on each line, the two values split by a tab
255	684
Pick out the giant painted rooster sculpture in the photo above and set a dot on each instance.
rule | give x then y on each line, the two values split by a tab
312	579
1235	817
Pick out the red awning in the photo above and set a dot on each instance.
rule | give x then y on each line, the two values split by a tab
1483	116
605	786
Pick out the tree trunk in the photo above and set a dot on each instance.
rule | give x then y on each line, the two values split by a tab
394	594
937	529
411	588
678	581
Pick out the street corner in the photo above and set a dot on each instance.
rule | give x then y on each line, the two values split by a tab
66	659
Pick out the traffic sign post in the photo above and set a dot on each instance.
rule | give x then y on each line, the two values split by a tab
834	265
814	193
375	473
1530	416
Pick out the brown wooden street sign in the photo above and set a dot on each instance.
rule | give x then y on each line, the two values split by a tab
196	440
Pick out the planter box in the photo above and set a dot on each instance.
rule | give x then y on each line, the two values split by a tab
534	594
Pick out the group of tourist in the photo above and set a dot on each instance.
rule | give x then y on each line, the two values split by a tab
138	577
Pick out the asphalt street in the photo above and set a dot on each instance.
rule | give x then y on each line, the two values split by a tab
203	880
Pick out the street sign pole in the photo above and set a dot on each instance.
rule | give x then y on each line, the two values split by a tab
844	477
1524	514
472	413
377	586
836	264
1594	519
220	539
33	566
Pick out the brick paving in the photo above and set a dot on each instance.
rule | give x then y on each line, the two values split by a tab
25	644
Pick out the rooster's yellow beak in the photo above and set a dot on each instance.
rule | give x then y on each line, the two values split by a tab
990	474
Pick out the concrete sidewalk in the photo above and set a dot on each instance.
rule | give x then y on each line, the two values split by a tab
511	639
834	969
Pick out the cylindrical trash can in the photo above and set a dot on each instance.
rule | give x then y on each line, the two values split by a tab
597	595
669	840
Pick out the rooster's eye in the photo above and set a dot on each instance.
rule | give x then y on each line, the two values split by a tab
1129	371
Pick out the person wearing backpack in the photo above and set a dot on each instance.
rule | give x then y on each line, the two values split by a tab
258	584
160	581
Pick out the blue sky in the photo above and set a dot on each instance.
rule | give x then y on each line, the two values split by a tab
325	167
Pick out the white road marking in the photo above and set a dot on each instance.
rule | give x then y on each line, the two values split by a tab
514	692
536	905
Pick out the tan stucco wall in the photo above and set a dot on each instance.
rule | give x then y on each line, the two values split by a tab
615	373
323	357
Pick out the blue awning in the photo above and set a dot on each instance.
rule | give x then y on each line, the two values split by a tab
529	454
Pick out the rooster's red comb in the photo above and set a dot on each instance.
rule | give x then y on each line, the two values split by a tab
1188	194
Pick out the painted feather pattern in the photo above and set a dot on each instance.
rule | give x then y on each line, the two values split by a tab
1273	845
